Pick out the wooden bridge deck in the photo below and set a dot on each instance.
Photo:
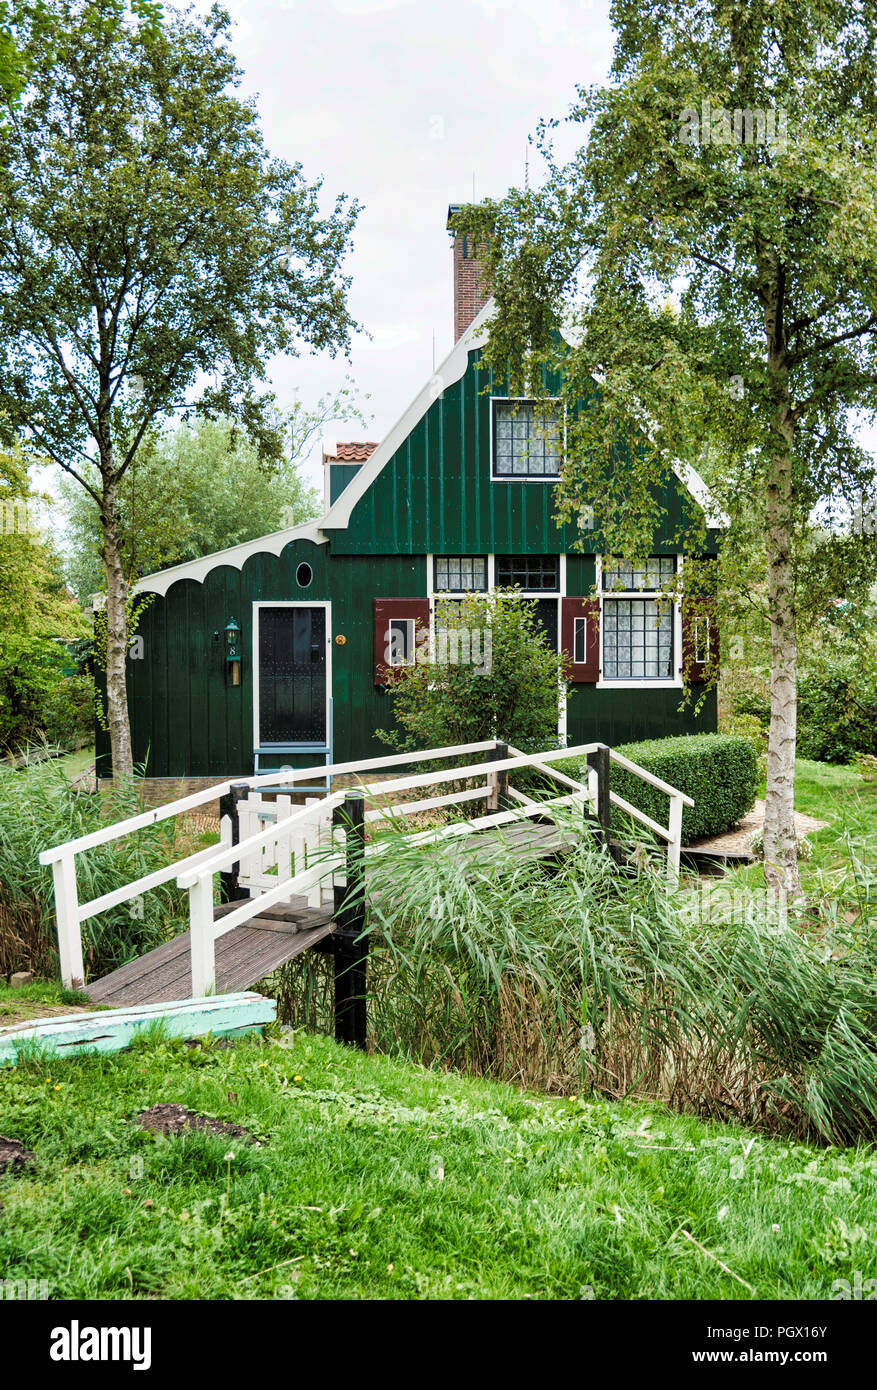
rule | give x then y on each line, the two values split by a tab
244	956
249	953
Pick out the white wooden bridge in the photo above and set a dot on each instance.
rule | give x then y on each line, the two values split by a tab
287	870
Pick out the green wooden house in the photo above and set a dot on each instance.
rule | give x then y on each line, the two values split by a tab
274	652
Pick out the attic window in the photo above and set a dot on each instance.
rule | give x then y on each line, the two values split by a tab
526	439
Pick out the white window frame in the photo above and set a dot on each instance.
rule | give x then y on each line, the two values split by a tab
550	478
673	682
410	643
698	621
295	603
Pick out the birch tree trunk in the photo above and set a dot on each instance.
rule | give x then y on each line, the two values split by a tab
780	840
117	633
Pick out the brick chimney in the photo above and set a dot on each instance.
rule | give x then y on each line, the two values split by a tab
469	296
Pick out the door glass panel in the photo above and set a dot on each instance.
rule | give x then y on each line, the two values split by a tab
292	675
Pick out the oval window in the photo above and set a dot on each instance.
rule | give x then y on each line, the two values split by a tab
303	575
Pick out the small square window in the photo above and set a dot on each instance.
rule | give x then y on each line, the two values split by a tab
527	439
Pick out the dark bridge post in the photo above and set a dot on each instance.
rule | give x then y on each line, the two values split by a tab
228	806
598	762
349	944
499	781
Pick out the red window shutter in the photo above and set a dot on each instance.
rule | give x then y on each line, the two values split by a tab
384	610
700	639
587	671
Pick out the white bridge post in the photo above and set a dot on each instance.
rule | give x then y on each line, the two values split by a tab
67	921
202	942
674	844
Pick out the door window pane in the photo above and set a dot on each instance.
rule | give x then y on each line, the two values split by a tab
292	675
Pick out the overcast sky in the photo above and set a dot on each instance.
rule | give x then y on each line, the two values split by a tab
400	103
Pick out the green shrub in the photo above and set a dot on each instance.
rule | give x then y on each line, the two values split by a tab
509	689
718	771
837	712
68	712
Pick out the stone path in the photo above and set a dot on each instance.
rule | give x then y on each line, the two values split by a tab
734	844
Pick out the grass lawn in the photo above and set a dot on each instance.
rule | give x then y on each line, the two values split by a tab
374	1179
839	795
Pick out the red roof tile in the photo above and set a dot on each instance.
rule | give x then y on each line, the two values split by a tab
355	452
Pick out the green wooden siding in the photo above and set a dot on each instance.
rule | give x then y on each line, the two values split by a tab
435	496
340	474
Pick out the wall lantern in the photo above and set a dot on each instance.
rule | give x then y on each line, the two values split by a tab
233	652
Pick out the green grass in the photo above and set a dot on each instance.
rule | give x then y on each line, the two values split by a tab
38	999
376	1179
839	795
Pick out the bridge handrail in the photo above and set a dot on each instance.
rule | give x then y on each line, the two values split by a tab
195	873
216	791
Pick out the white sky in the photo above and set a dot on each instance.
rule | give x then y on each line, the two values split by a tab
399	103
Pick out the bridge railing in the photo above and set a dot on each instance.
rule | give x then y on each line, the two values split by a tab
298	849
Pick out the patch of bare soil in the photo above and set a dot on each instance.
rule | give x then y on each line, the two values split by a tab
176	1119
31	1008
14	1157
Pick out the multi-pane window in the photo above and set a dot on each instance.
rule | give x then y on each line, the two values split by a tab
460	574
533	573
658	569
638	631
527	439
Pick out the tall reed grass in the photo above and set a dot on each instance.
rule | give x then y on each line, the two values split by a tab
581	975
38	809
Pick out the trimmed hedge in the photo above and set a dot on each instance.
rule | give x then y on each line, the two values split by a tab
718	771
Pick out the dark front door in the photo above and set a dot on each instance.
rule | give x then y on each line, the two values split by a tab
292	675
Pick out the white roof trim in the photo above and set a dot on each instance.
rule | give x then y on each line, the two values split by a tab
235	557
451	370
338	516
689	477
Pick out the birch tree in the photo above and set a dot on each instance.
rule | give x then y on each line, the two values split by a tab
713	246
153	255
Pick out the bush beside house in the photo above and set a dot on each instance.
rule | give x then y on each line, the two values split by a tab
718	771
